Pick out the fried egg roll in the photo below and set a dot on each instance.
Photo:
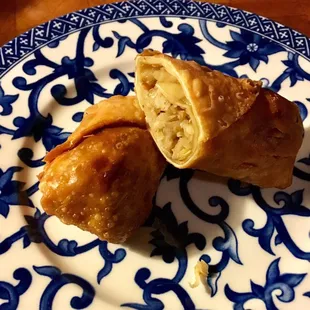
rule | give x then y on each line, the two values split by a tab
203	119
103	178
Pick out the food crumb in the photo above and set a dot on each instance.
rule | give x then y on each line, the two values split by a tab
201	272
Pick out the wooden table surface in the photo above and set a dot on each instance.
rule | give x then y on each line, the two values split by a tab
17	16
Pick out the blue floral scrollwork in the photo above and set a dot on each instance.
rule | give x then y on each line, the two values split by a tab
99	42
41	127
186	176
302	109
163	20
55	43
11	191
58	280
10	293
246	47
26	155
6	102
183	44
109	259
170	240
307	294
290	204
77	117
274	281
6	131
227	245
300	173
250	48
293	71
34	232
124	86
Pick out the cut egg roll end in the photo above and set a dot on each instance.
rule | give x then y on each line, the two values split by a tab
203	119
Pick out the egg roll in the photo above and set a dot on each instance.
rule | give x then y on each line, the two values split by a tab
203	119
104	177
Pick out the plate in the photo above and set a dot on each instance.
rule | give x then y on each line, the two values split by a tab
255	241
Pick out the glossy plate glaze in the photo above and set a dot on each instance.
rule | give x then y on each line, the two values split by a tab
256	241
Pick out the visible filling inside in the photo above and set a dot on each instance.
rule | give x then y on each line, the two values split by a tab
168	112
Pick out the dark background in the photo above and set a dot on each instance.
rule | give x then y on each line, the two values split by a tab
17	16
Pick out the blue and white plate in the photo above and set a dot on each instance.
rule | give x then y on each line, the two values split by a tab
255	241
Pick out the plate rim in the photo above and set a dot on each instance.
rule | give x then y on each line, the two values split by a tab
8	62
92	25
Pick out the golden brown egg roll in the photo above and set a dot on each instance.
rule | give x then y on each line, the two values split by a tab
203	119
103	178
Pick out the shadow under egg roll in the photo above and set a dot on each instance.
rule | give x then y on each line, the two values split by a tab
103	178
203	119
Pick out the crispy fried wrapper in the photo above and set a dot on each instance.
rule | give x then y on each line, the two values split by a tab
203	119
103	178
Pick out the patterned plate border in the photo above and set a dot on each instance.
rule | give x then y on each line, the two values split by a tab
15	50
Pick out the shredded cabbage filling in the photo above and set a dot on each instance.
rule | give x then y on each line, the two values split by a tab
167	112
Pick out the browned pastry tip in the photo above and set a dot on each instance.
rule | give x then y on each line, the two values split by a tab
113	112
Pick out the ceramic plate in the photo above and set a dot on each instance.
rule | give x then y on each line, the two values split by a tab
255	241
